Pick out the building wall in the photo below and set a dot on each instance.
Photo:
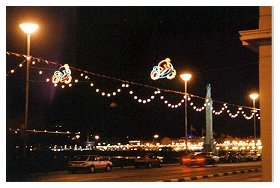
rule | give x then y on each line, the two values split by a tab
265	88
260	40
265	21
265	84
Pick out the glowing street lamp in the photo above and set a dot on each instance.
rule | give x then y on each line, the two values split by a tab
78	136
186	77
96	137
27	28
254	96
156	136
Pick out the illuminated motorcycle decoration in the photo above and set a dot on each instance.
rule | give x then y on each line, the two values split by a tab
63	75
164	70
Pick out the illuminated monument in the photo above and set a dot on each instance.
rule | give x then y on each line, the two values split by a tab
209	140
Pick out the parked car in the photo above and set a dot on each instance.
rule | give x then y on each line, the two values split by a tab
242	156
91	163
252	156
148	161
215	157
222	154
232	157
199	159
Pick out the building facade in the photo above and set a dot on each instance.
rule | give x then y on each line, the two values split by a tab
260	40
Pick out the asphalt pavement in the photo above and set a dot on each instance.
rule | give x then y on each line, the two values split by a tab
174	173
247	177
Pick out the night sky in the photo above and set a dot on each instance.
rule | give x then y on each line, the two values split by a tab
125	43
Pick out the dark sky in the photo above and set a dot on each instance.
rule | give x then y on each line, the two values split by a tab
126	42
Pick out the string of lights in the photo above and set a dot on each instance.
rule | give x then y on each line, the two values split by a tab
12	71
125	84
41	131
144	100
109	94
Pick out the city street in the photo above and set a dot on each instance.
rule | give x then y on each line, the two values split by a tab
139	93
167	172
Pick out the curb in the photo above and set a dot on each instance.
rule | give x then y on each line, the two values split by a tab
211	175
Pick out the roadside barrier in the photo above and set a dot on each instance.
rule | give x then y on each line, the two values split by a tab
212	175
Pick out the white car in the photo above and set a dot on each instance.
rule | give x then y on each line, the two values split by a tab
216	158
90	163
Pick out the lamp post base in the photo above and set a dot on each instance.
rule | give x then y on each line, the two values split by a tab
207	148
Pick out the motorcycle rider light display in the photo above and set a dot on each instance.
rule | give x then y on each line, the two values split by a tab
164	69
63	75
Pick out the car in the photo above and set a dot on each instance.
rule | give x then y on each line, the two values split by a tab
148	161
242	156
230	157
90	163
215	157
222	154
259	156
252	156
199	159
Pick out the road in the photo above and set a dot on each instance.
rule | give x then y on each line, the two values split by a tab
130	174
247	177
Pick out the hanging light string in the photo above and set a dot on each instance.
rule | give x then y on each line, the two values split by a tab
15	54
128	82
42	68
12	71
41	131
144	100
170	105
113	93
147	100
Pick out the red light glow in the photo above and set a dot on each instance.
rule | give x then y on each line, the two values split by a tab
186	160
201	160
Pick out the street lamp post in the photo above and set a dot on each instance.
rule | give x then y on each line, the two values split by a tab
254	96
186	77
28	29
156	136
96	137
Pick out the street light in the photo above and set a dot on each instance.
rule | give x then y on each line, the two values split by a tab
254	96
156	136
186	77
78	136
28	29
96	137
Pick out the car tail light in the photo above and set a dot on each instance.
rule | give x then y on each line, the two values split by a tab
186	159
201	160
